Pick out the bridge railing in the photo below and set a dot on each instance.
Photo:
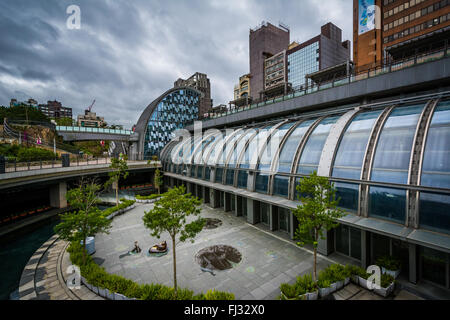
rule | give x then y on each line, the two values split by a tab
93	130
12	165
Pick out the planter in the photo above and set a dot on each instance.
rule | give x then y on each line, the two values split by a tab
95	289
312	295
363	283
340	284
88	285
355	279
286	298
109	294
393	273
102	292
118	296
323	292
346	281
333	287
384	292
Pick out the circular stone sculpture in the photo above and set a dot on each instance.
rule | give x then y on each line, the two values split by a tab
218	257
212	223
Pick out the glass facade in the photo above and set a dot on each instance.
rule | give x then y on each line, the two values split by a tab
303	62
309	160
393	152
387	203
173	112
352	148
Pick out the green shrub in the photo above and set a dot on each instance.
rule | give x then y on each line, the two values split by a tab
290	291
386	280
218	295
34	154
305	284
389	263
150	197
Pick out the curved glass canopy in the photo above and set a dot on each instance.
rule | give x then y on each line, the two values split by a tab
228	157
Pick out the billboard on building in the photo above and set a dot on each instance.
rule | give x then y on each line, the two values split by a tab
366	12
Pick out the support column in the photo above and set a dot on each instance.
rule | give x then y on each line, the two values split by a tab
413	263
204	195
364	252
227	204
252	212
273	217
325	246
58	195
238	205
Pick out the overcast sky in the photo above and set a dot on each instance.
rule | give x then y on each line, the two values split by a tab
129	52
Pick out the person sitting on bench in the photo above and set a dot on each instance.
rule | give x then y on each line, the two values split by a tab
136	249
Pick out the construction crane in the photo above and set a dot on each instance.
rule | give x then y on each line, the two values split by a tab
90	107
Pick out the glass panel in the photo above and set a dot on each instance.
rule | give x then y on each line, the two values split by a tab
342	239
224	146
219	175
229	177
393	150
281	186
242	179
254	148
436	164
387	203
207	174
352	147
433	265
290	147
272	147
355	243
262	182
309	161
434	212
239	147
349	194
199	172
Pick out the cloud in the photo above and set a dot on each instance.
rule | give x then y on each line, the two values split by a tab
127	53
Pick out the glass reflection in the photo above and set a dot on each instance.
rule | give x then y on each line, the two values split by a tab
387	203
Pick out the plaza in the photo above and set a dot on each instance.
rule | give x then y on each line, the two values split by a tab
267	259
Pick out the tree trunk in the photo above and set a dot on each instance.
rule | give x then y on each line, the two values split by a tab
315	256
174	266
117	193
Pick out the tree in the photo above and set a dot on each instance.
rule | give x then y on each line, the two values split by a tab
317	212
170	215
120	170
158	180
86	219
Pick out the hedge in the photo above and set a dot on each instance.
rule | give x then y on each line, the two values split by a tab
34	154
97	276
150	197
123	205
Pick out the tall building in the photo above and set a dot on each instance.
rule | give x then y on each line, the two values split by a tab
200	82
265	41
289	68
242	91
55	110
392	30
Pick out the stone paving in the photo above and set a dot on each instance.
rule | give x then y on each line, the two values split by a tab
267	260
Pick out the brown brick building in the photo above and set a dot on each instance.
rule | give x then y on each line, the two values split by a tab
265	41
400	29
